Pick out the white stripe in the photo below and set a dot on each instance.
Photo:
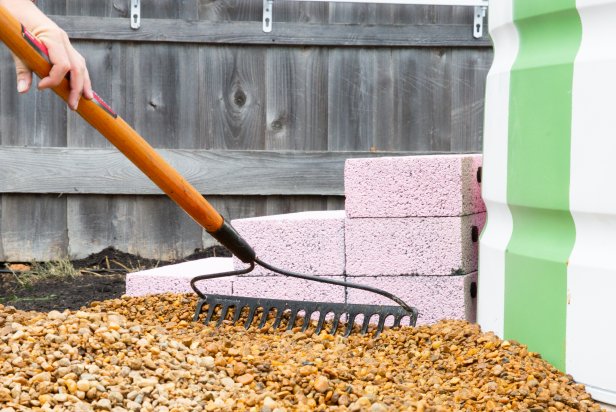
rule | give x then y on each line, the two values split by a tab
591	313
496	235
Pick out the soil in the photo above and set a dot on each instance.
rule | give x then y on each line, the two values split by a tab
98	277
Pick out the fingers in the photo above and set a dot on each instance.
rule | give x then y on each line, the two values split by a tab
66	60
88	93
78	72
57	73
24	75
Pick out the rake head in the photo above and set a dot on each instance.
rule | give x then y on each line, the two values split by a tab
292	310
261	309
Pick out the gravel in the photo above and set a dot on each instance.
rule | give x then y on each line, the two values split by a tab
145	354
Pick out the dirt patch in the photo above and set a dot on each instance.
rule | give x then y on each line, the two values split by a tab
98	277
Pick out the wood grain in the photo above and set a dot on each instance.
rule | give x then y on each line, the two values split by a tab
212	172
284	33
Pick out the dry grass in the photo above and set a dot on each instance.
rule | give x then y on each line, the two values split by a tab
58	269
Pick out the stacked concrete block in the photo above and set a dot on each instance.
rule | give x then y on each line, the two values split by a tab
308	242
176	278
436	297
412	228
412	245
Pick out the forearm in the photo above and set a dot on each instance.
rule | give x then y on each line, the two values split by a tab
28	14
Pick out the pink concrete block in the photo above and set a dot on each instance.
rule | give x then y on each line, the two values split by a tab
283	287
306	242
176	278
412	246
435	297
413	186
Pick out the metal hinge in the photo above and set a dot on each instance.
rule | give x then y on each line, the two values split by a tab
267	15
480	14
135	14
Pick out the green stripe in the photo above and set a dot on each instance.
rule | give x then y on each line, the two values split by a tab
538	176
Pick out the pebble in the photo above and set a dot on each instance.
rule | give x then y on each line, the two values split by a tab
227	382
321	384
208	362
145	353
245	379
104	404
269	405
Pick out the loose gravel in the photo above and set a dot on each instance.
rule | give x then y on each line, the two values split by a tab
145	354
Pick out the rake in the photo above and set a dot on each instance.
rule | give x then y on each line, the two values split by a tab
102	117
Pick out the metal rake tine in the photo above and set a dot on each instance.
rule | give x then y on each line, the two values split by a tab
321	322
397	321
198	310
365	324
335	323
251	316
307	317
210	313
266	312
350	324
237	312
292	320
279	314
223	314
381	324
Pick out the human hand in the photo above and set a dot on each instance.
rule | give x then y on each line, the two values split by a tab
62	55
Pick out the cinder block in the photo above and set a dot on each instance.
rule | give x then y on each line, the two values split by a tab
435	297
412	246
306	242
176	278
284	287
413	186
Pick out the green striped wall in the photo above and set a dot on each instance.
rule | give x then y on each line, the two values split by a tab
538	175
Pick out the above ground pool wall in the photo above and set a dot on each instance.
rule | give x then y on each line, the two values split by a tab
546	273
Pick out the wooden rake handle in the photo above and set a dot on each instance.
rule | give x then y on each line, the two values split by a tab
102	117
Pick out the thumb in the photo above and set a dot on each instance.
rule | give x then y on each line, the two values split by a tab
24	75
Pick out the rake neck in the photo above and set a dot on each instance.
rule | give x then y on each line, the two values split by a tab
231	239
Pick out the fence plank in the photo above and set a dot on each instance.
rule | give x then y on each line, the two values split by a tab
300	12
469	71
106	171
361	88
33	225
232	111
422	99
296	99
98	8
150	226
350	90
283	33
52	6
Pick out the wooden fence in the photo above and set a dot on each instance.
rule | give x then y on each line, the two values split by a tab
260	122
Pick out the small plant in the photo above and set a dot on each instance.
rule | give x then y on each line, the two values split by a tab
58	269
54	269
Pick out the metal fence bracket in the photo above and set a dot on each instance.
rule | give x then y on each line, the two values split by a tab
481	8
135	14
267	15
480	14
